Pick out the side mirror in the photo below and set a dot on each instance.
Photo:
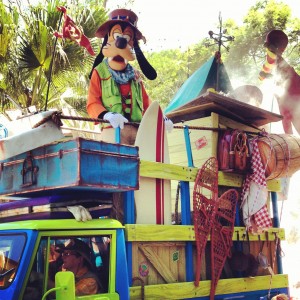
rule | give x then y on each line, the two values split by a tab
65	285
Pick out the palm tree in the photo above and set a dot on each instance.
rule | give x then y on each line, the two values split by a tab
10	81
45	68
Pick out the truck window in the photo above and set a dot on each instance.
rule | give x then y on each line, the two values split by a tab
50	259
11	249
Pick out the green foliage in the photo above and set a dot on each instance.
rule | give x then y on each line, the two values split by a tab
27	48
34	55
8	25
173	67
247	53
244	59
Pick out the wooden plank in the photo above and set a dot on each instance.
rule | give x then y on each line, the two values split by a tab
181	173
141	232
230	179
274	185
158	264
177	145
135	262
181	264
225	122
186	290
167	171
151	233
173	255
229	107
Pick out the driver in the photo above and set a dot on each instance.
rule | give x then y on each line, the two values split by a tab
77	257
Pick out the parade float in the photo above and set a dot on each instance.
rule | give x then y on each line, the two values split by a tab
199	210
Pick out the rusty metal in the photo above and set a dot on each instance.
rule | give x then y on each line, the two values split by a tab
29	169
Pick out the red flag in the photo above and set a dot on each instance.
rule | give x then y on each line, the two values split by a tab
73	32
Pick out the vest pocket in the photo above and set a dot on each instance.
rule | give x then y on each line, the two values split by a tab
113	104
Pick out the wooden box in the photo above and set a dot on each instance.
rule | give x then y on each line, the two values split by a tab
158	262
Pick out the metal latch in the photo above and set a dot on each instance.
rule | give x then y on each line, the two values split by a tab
29	171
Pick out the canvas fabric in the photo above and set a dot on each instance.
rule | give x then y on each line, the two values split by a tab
255	194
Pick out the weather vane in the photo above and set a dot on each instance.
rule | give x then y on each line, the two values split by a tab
220	38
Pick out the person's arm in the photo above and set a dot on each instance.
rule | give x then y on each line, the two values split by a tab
86	286
95	106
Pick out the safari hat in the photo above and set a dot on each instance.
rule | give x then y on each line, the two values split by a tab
81	248
119	15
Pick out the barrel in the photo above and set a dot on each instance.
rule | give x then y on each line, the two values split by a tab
280	154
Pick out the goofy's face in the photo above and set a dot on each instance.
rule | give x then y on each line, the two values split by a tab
119	47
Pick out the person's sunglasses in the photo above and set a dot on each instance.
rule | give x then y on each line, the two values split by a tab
68	254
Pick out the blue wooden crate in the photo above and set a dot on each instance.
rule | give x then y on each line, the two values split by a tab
76	165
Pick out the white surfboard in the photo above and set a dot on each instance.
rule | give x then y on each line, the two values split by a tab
153	199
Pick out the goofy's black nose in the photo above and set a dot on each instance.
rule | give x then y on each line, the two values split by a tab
121	43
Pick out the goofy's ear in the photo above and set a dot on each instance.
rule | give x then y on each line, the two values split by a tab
145	66
99	57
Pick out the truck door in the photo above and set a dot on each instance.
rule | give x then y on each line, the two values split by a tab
51	257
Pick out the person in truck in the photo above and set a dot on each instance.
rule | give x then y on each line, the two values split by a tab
78	258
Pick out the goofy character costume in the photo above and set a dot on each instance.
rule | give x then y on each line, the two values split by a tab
116	92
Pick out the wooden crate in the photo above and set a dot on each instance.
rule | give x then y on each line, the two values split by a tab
178	153
158	262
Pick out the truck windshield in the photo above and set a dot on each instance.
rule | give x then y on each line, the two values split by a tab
11	249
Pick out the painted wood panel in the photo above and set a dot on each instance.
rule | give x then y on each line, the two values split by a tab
156	233
225	286
157	263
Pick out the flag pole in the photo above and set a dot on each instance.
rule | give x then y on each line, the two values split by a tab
51	64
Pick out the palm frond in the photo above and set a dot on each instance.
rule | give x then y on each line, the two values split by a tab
28	61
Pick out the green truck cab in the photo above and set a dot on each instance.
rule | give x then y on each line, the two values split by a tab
25	258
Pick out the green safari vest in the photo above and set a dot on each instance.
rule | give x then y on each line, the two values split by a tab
112	99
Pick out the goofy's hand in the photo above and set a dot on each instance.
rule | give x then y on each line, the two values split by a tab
80	213
168	124
116	120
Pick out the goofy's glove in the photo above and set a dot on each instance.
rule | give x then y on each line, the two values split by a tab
80	213
116	120
168	124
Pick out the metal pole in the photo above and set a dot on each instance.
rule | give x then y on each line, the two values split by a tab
186	208
51	64
276	224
